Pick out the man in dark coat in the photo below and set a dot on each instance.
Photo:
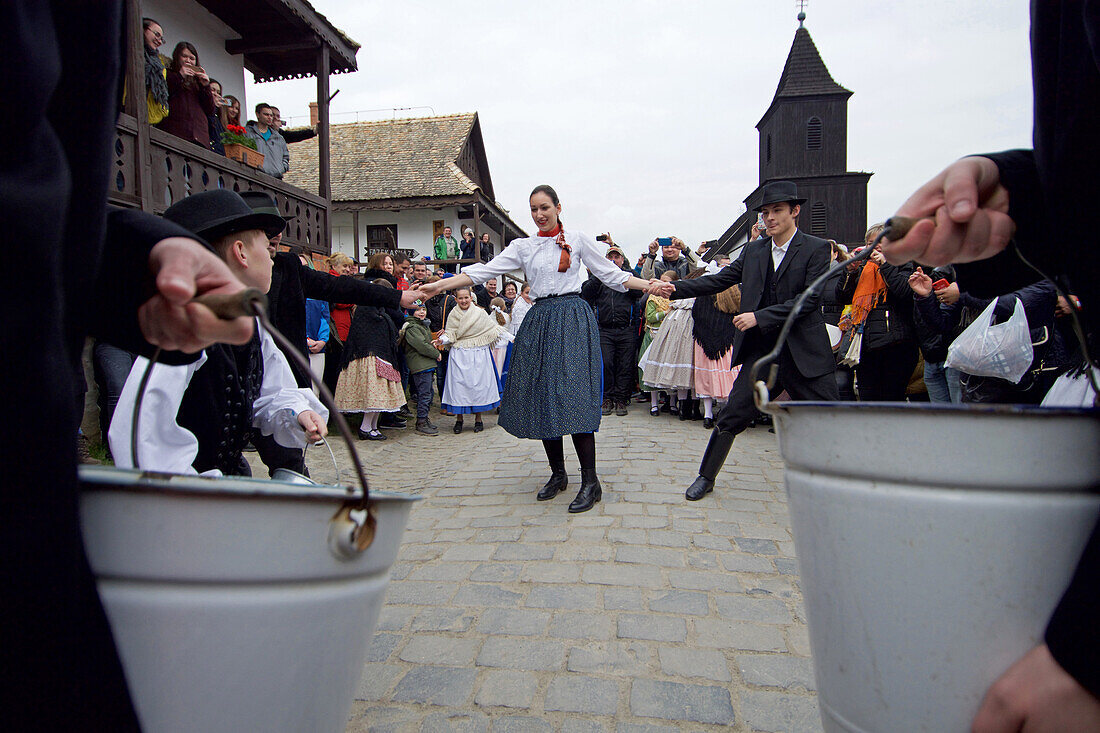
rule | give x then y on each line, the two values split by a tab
980	203
615	313
772	273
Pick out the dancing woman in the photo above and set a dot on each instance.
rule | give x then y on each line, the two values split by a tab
554	385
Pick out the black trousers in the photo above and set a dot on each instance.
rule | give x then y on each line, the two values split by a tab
883	374
740	409
619	362
275	455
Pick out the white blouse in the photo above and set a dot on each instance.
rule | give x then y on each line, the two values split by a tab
538	257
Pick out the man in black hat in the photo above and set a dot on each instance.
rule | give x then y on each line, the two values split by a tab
198	417
772	272
291	284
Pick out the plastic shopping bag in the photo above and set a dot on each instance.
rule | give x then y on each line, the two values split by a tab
999	350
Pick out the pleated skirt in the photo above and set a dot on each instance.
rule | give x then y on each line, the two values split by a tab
555	381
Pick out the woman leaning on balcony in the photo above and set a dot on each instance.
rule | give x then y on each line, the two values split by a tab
190	101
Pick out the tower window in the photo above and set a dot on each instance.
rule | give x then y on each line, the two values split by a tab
813	134
769	156
818	220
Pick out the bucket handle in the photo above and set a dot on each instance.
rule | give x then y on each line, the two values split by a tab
252	302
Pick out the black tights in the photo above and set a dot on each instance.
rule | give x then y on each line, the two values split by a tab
583	443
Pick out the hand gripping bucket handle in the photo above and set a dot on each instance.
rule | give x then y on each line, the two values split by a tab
353	527
895	228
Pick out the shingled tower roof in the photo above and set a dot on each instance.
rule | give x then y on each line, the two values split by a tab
805	73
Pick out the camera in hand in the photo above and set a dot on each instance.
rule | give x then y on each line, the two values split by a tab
601	238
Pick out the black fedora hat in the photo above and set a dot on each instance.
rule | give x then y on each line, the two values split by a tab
777	192
261	202
213	214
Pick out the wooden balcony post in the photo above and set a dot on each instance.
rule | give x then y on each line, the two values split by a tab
323	172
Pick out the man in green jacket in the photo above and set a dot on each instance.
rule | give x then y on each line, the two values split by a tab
421	357
446	248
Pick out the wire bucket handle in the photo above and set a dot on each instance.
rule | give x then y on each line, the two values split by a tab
248	303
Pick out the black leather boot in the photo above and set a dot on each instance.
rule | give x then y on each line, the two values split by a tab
559	479
589	494
717	450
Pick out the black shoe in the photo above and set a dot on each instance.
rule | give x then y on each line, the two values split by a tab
685	414
655	411
665	406
589	494
458	427
372	435
642	397
404	413
717	450
479	426
606	407
708	423
430	424
620	409
391	420
674	410
559	480
426	428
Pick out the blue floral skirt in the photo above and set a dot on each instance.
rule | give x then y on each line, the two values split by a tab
555	376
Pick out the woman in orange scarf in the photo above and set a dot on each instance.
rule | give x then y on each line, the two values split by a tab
880	339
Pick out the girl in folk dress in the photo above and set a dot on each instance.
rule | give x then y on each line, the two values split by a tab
502	351
656	308
714	332
554	386
370	382
668	362
472	383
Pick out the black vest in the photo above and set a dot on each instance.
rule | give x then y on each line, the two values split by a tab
769	297
217	406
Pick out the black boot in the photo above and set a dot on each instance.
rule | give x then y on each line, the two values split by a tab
589	494
559	480
717	450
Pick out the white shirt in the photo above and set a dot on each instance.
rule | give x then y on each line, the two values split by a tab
166	446
538	257
519	310
780	251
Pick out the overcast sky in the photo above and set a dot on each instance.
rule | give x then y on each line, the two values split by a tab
642	114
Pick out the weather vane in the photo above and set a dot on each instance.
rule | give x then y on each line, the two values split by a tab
801	11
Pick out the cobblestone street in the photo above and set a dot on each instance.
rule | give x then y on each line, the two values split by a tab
648	613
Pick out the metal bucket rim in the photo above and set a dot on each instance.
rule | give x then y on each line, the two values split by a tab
916	408
106	478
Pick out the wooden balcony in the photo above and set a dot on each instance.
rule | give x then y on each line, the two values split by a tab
176	168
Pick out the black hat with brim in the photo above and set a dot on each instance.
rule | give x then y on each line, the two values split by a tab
214	214
778	192
259	201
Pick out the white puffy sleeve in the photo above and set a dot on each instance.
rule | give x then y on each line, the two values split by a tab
507	261
275	411
163	445
601	267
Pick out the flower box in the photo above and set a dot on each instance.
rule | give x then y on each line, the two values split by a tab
244	154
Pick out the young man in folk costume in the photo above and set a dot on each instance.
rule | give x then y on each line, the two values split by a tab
772	272
197	417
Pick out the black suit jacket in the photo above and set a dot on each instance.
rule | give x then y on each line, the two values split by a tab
292	283
807	258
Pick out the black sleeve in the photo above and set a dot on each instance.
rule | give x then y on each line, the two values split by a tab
846	286
125	282
590	289
1072	633
323	286
709	284
897	279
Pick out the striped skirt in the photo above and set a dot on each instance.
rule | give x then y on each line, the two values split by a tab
555	383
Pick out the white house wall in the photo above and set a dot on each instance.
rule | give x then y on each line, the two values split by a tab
184	20
414	228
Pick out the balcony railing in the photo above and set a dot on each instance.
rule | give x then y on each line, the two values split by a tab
178	168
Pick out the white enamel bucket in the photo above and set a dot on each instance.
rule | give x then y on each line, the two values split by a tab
238	604
933	543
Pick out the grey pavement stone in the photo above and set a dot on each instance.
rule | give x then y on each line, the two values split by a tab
563	596
650	556
745	608
786	565
466	553
440	650
420	592
455	722
669	538
630	659
643	522
550	572
581	725
574	552
505	688
630	536
443	571
739	562
683	662
777	670
708	542
499	534
376	680
579	625
622	599
721	634
776	711
654	628
587	534
442	619
676	701
520	724
546	534
679	601
576	694
495	572
798	639
395	618
513	622
757	546
512	653
436	686
643	728
454	535
381	646
485	594
703	580
632	575
401	570
520	551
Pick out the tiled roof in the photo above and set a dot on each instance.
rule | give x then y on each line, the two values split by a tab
805	73
389	159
